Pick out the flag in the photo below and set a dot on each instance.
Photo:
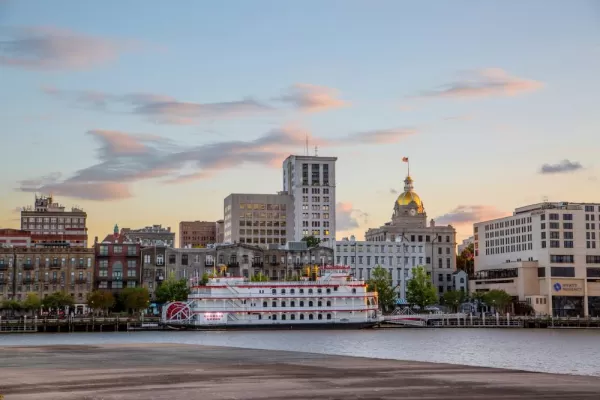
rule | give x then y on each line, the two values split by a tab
404	159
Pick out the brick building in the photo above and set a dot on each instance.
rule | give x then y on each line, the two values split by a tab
197	233
117	263
15	238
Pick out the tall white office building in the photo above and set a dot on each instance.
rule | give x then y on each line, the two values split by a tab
310	180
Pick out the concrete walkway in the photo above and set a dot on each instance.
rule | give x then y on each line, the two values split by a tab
188	372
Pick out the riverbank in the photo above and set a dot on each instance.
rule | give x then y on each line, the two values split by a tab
173	371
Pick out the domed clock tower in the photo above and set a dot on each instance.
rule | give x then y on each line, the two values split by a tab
409	210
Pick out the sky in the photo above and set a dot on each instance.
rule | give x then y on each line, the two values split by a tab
149	113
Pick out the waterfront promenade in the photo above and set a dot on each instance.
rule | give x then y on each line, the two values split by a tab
173	371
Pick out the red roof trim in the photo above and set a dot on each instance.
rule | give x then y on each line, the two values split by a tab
282	311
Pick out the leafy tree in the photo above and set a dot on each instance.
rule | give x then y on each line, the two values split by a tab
260	277
12	306
499	299
204	279
420	290
466	260
32	302
381	282
311	241
454	298
58	301
135	298
100	300
172	290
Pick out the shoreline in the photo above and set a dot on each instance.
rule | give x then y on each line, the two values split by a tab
179	371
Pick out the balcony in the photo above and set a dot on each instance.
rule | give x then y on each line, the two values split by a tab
233	264
209	263
102	278
274	263
80	280
159	278
28	266
54	265
258	264
54	281
80	266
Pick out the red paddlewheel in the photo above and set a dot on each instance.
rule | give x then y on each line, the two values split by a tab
178	311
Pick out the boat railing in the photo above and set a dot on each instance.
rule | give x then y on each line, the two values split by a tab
307	309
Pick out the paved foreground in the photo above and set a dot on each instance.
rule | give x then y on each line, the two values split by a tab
199	372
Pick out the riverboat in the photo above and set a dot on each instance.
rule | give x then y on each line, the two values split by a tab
327	298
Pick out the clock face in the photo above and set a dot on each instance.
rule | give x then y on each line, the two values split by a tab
413	212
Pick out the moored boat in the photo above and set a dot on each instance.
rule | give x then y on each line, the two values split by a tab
327	298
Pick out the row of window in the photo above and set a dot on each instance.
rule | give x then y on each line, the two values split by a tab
507	249
54	220
293	317
400	248
382	260
507	232
506	224
116	284
263	215
263	224
262	206
263	232
118	249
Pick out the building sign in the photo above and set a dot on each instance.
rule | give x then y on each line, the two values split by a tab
567	288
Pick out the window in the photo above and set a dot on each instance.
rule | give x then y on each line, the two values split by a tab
568	244
118	249
567	272
554	244
562	259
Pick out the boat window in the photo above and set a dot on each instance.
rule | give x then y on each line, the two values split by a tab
319	304
328	304
328	290
293	316
310	316
293	304
319	291
292	291
301	316
282	291
310	290
274	317
283	304
353	290
301	291
274	291
283	316
264	304
301	304
328	316
320	316
310	303
335	289
274	304
259	316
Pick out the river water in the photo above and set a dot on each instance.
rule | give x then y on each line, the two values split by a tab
545	350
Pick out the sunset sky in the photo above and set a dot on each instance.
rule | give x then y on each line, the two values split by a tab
151	112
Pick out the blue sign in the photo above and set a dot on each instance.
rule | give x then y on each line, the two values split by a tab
557	286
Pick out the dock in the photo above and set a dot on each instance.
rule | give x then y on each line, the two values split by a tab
175	371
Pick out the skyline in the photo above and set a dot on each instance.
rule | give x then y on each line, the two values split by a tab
158	116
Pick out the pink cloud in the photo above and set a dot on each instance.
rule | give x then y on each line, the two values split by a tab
469	214
313	98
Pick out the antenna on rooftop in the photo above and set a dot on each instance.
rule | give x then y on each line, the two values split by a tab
316	151
307	144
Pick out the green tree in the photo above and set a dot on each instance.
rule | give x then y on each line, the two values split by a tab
58	301
420	290
11	306
260	277
311	241
498	299
134	299
32	302
453	299
465	261
100	300
172	290
381	282
204	279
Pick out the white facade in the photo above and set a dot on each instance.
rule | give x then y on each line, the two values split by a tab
562	238
398	257
310	180
465	243
259	219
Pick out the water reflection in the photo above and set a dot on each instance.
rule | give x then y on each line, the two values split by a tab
557	351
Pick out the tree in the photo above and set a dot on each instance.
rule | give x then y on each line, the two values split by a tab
58	301
420	290
11	305
260	277
498	299
311	241
100	300
32	302
135	298
466	260
172	290
204	279
453	299
381	282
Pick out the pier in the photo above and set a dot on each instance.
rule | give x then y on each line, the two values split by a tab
173	371
78	324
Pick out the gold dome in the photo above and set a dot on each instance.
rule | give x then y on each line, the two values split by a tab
408	197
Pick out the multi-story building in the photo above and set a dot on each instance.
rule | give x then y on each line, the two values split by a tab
465	243
150	235
409	221
258	219
50	223
310	180
545	254
117	262
15	238
220	231
197	233
45	270
398	257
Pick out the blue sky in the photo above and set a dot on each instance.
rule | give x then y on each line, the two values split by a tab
479	95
